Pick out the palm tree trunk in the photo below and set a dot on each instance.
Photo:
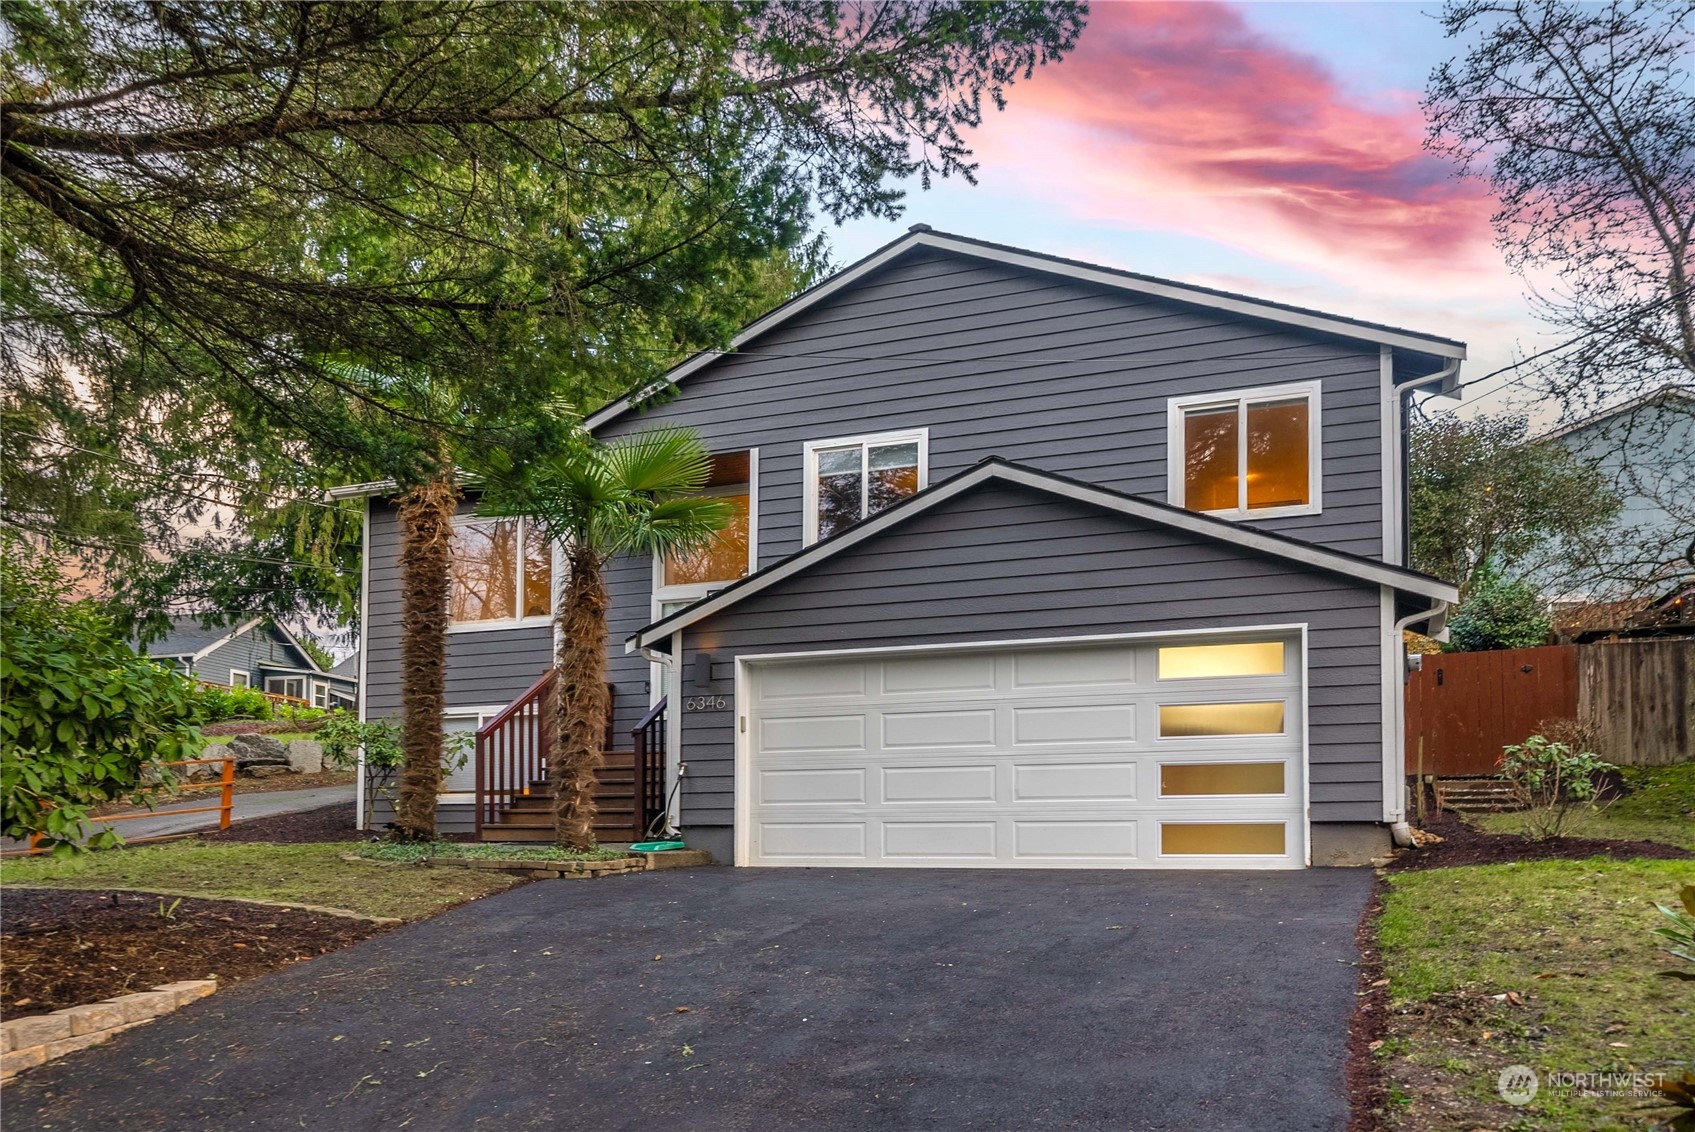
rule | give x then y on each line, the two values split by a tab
426	548
579	701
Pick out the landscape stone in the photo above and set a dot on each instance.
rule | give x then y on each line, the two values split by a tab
38	1030
267	770
306	756
93	1018
257	750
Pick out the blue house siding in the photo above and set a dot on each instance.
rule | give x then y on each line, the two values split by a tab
484	667
1003	564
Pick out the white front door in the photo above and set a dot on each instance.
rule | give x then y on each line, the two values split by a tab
1184	752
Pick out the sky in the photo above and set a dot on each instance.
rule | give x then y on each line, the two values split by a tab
1274	149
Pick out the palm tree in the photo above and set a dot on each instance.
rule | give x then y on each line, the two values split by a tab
637	495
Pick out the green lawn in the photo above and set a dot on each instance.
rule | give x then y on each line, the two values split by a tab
308	874
1572	940
1660	807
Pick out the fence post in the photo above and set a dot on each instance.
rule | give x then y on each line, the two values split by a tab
228	801
1421	780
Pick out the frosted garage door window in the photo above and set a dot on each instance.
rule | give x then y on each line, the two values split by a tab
1202	662
1186	779
1211	839
1184	721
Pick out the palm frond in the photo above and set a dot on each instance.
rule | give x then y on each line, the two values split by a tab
660	463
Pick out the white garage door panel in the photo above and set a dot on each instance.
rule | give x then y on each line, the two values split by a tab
1042	757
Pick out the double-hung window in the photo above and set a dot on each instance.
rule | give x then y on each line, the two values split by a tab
1246	455
501	573
854	478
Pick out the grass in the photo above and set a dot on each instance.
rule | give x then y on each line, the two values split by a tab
1660	807
306	874
1573	940
388	851
279	736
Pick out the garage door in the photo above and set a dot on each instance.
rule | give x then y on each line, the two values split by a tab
1181	753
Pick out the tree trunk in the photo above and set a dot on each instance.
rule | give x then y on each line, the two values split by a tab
426	548
579	701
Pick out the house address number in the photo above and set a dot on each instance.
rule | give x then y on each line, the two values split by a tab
706	703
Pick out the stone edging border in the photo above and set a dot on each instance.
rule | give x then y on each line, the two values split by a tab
542	869
40	1038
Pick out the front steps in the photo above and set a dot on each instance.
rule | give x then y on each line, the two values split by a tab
530	817
1476	796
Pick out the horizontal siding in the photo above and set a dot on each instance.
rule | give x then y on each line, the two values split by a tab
484	668
1006	563
1061	375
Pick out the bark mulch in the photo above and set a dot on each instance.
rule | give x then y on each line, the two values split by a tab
307	827
1368	1090
1465	844
65	948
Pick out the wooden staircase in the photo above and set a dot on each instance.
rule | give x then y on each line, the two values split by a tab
514	800
529	816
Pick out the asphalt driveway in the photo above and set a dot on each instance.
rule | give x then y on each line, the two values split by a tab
775	999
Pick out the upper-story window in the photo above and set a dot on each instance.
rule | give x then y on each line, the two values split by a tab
1246	455
733	553
854	478
502	572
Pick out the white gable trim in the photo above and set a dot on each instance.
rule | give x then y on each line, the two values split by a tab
224	640
1246	537
1033	261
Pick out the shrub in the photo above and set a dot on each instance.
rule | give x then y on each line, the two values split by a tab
1681	933
343	736
1499	614
82	717
234	703
1552	780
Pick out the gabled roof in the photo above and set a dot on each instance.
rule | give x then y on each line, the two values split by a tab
1664	393
189	640
995	469
923	236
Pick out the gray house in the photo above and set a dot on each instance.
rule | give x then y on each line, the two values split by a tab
253	654
1642	449
1038	564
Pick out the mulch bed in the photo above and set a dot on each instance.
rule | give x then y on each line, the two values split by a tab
65	948
308	827
1465	844
1368	1090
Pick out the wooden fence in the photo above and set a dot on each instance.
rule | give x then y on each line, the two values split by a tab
1637	696
1465	706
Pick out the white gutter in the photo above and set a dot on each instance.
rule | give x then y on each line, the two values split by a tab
1394	444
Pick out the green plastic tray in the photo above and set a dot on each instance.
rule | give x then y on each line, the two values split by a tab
655	846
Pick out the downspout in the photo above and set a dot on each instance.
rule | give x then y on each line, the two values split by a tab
1403	412
1399	829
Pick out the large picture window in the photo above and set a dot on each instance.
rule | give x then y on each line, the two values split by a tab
853	479
731	554
1247	455
502	571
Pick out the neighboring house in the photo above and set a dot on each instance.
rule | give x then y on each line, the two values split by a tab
1643	449
253	654
345	682
1036	564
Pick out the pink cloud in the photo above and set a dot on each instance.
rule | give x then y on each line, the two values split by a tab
1180	116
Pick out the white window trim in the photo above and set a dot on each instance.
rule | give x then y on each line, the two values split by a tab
240	678
283	680
1176	452
809	462
697	590
317	687
556	561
